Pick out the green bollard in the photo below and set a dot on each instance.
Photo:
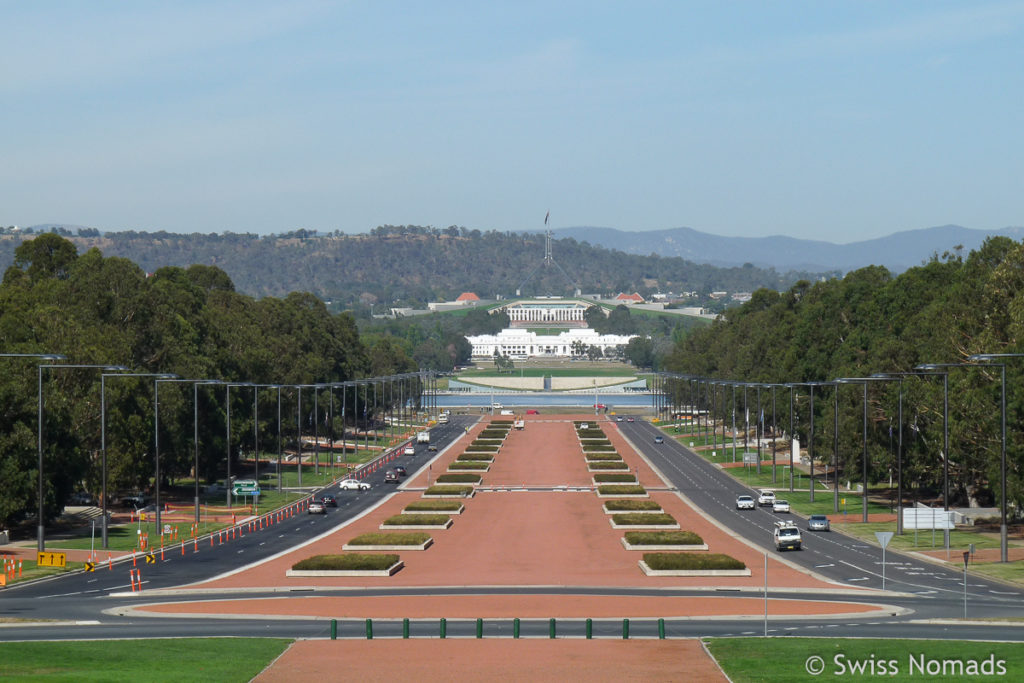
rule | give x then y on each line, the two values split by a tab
515	627
551	627
590	629
405	628
625	629
661	629
369	629
444	627
479	628
334	629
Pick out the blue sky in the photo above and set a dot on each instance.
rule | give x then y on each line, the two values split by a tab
838	121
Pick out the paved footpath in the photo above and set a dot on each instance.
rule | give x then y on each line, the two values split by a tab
516	538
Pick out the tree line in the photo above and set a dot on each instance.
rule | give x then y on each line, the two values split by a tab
101	310
872	322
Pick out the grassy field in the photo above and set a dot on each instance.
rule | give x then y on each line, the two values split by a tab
794	659
180	660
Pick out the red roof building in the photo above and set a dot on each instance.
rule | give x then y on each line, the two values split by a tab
633	298
467	297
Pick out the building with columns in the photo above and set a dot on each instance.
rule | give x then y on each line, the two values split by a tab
546	312
520	343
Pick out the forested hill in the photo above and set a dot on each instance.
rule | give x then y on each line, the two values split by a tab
410	265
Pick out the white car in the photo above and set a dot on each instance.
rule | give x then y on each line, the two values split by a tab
410	450
766	497
780	506
353	485
744	502
316	508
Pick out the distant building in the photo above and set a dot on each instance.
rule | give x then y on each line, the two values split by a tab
549	312
468	298
520	343
627	299
742	297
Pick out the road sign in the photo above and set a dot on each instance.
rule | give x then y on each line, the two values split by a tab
245	487
750	458
150	559
884	537
47	559
90	566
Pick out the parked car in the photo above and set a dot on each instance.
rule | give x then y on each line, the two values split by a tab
818	523
400	471
353	485
744	502
780	506
766	497
659	439
315	508
329	502
390	477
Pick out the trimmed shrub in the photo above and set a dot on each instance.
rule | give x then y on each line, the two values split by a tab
434	505
483	448
353	561
663	538
492	434
631	504
486	442
476	456
621	490
614	478
593	457
416	520
608	465
467	478
392	538
498	423
468	465
662	561
448	491
641	518
591	434
591	447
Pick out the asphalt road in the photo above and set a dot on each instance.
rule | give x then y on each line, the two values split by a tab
97	605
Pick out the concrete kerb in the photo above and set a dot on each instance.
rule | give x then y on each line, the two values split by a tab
724	529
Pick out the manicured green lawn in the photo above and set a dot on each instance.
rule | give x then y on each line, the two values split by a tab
789	659
199	659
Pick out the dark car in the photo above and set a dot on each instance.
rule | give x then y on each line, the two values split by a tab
400	471
329	502
390	477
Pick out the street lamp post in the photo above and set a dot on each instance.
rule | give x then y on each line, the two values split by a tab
935	368
1003	550
41	530
864	461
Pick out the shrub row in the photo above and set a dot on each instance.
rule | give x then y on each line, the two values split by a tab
592	457
391	538
691	561
643	518
663	538
476	456
434	505
448	491
468	465
482	448
608	465
457	478
621	490
598	447
631	504
614	478
416	520
353	561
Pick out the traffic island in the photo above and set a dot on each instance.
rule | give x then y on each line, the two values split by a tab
390	541
650	541
685	564
355	564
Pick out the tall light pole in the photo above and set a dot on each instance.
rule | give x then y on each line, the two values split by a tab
195	436
935	369
1004	552
41	530
227	401
156	438
103	438
864	463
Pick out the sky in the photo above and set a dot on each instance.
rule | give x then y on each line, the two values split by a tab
838	121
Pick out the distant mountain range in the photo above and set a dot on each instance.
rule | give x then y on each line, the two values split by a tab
897	252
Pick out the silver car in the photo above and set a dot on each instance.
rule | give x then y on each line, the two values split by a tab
818	523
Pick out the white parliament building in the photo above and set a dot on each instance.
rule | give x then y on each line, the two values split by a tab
518	342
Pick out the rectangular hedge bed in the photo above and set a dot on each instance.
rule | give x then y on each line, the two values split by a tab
591	434
501	422
598	447
643	520
449	492
461	478
397	540
607	465
621	490
663	540
614	478
465	465
688	564
423	507
492	434
483	448
354	564
476	457
641	506
418	521
596	457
